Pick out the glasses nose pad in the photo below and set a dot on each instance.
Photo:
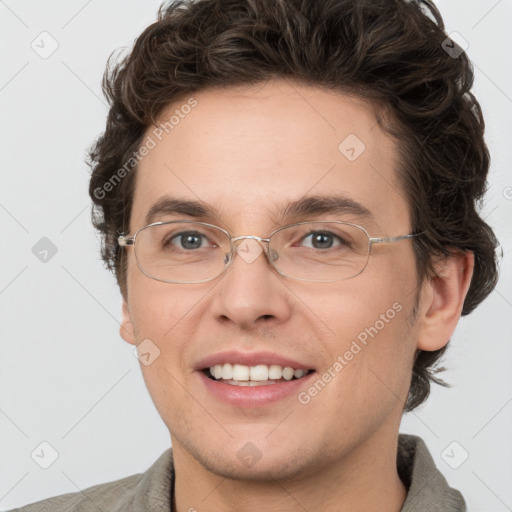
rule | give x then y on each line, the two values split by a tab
272	256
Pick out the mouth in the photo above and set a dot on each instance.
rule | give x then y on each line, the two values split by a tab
251	376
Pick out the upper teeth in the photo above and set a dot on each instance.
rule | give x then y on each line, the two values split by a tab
259	372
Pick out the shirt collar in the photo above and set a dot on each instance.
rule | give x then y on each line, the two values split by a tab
427	487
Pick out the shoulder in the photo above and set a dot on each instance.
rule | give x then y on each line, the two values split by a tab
151	490
427	487
97	497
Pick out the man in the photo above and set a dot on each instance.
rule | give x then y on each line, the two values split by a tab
286	193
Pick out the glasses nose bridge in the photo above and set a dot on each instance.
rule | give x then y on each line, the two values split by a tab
251	237
235	241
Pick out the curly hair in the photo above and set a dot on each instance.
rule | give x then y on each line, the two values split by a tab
393	53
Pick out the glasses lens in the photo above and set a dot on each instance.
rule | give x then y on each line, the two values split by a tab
181	252
321	251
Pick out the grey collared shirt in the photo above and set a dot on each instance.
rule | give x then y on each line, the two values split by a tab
427	487
152	490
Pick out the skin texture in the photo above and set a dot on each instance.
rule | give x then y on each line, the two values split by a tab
246	152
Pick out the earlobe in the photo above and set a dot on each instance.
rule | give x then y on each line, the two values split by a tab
442	300
126	328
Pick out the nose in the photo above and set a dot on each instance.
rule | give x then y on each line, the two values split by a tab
251	293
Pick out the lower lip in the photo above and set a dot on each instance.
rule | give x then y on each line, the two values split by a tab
254	396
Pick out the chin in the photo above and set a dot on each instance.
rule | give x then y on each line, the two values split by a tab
274	468
245	461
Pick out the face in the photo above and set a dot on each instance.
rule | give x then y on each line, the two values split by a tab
247	153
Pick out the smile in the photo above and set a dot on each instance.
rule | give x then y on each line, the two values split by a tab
258	375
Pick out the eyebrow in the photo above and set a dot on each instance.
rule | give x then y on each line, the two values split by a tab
315	205
306	206
167	205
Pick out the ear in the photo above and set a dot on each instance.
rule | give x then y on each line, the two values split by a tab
442	299
126	329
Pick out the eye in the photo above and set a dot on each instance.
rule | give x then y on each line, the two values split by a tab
187	240
323	240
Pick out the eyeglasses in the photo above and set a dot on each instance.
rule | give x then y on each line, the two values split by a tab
184	251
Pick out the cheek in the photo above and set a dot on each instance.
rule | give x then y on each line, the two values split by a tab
162	313
371	343
169	319
159	308
369	372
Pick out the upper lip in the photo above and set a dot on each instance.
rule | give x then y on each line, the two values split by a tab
250	359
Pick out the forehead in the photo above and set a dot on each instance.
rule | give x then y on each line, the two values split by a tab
249	151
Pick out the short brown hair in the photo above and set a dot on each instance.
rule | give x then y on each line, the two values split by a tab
390	52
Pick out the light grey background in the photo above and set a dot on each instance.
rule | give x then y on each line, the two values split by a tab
66	376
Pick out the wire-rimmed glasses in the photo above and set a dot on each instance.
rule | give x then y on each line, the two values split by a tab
186	251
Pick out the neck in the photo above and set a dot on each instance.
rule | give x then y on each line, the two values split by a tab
366	479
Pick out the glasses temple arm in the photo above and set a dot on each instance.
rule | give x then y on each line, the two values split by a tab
390	239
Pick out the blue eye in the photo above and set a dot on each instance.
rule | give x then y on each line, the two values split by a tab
187	240
323	239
